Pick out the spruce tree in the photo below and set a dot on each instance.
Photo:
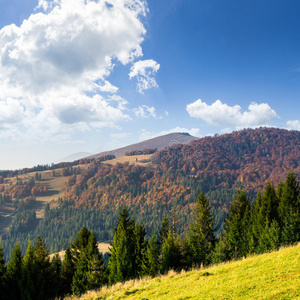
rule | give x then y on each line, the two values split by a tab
43	263
80	278
56	281
121	263
201	240
163	232
30	274
68	269
289	210
140	249
237	222
14	274
150	265
3	281
97	273
171	257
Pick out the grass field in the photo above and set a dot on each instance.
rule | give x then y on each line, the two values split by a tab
142	160
274	275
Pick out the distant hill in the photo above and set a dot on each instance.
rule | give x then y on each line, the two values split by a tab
75	156
269	276
91	194
158	143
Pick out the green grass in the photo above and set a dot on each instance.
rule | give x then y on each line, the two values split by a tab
274	275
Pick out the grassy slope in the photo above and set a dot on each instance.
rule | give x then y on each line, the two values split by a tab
270	276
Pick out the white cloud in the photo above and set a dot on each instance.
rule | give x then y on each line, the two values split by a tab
293	124
58	60
225	115
144	71
145	112
145	135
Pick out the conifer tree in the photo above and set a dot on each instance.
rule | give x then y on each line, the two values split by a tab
150	264
171	257
289	210
237	222
68	270
3	281
164	229
14	274
140	249
56	281
97	273
201	240
80	278
43	263
29	274
121	263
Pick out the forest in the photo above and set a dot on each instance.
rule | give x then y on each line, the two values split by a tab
271	221
218	166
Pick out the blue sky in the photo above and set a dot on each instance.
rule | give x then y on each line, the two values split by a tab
96	75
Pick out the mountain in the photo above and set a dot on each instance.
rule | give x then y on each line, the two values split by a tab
91	194
74	156
269	276
157	143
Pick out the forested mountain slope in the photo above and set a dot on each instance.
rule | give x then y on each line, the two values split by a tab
169	181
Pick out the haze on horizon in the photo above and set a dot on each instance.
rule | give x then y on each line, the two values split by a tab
90	76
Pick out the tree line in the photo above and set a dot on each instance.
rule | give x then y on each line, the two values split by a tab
271	221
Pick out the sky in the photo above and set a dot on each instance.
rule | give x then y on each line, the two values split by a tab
90	76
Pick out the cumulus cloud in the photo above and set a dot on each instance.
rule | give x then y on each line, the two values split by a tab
145	135
145	112
144	71
222	114
293	124
58	60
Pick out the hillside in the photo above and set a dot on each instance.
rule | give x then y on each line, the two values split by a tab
274	275
153	185
158	143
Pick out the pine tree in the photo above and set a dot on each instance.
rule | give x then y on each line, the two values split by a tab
150	266
80	243
14	274
56	281
171	257
68	270
3	281
80	279
30	274
122	260
163	232
201	240
97	273
289	210
140	249
237	222
43	263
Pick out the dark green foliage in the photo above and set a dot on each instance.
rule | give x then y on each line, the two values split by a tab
151	265
80	280
68	269
237	224
171	257
164	229
201	239
3	280
56	275
14	274
122	260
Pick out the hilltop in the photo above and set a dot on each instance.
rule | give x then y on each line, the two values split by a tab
156	143
273	275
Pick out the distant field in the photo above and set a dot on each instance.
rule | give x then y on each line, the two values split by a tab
56	186
142	160
103	248
269	276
